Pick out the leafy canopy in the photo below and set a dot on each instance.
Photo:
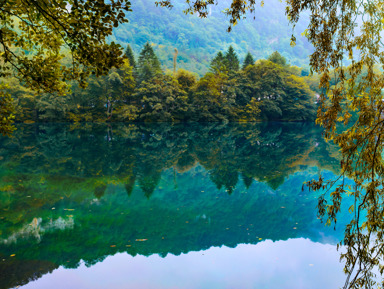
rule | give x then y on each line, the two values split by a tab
277	58
36	35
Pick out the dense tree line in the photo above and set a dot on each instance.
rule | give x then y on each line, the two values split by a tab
140	90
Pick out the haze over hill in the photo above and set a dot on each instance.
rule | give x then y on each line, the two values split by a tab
198	40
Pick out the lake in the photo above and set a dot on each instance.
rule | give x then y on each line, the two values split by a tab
166	206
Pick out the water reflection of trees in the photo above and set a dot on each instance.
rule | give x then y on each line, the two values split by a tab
47	162
264	152
94	171
17	273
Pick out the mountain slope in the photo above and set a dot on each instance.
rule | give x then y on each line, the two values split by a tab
198	40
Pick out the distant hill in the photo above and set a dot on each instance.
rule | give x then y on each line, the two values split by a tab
198	40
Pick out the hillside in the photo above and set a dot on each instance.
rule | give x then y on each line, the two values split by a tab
198	40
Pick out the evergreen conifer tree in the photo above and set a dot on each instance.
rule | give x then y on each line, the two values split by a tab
218	64
233	63
130	56
148	64
249	60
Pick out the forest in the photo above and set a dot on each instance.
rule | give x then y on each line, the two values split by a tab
142	91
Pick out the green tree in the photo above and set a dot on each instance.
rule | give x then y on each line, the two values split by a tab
270	110
89	103
219	64
248	60
277	58
114	91
126	72
120	86
214	98
186	79
162	99
127	107
207	96
131	57
52	106
107	97
148	64
231	59
268	80
24	99
252	109
299	101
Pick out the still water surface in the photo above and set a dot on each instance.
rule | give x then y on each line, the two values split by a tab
165	206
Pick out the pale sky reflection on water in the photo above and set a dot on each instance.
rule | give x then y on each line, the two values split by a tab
295	263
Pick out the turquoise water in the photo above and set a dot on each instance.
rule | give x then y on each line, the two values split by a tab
165	206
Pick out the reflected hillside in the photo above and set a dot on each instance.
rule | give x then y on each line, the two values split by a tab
267	152
43	164
84	193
